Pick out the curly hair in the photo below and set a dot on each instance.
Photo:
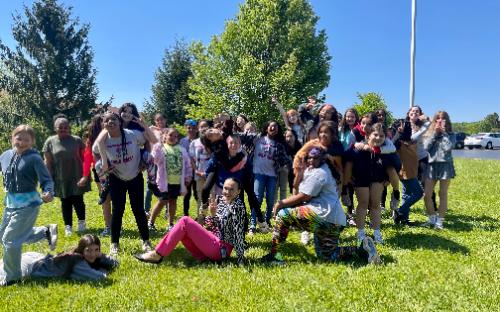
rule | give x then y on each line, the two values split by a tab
332	126
335	117
279	136
94	129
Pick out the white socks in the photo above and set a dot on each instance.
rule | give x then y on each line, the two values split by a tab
361	235
440	221
432	219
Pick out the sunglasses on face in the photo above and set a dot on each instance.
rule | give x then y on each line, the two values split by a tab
191	122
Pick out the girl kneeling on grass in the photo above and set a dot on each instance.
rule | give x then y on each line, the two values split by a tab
319	212
83	262
439	142
227	220
22	168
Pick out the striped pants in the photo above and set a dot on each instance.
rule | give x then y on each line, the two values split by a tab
326	233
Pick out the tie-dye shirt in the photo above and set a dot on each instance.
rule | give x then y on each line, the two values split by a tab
21	200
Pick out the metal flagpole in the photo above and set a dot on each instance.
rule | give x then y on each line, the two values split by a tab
413	51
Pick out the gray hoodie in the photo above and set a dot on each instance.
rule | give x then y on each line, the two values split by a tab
439	147
21	173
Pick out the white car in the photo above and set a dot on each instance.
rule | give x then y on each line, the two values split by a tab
486	140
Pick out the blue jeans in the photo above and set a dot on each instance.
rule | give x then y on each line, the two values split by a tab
16	230
412	192
267	183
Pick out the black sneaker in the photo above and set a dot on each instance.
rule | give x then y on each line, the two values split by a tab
154	188
103	196
51	235
273	259
151	227
397	217
408	223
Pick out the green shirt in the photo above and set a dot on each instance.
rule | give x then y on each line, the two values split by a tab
67	165
173	157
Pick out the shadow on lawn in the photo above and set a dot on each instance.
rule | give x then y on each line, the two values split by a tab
465	223
47	282
415	241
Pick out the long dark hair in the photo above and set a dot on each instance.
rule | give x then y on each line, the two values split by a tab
94	129
122	133
206	142
344	126
74	255
132	125
279	136
377	111
289	150
335	117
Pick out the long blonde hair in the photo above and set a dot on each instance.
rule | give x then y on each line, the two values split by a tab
23	128
440	114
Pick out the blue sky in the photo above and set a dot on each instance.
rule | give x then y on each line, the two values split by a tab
458	48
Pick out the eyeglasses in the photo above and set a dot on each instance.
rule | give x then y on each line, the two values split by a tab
191	122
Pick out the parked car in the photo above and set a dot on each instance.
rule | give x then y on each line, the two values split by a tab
487	140
460	137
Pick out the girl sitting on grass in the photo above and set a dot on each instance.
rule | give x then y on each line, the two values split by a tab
174	176
316	208
439	142
227	221
22	168
83	262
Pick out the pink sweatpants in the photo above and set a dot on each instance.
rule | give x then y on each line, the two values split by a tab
201	243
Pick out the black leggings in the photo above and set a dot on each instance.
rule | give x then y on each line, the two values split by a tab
247	186
118	191
384	197
187	197
67	211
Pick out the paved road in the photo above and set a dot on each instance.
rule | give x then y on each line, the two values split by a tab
477	153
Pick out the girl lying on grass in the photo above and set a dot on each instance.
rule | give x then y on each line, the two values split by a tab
316	208
83	262
227	221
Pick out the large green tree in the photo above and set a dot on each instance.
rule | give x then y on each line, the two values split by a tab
52	62
268	48
370	102
171	91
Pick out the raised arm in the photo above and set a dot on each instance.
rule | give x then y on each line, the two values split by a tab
282	111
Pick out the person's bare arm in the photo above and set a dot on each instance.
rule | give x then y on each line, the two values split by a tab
282	111
101	145
48	162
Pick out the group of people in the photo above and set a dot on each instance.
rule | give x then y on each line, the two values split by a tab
321	158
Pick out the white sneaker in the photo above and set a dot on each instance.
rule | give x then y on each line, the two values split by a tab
146	246
82	226
306	236
169	227
264	228
106	232
51	235
68	229
114	248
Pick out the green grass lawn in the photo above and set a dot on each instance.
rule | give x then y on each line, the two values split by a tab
422	270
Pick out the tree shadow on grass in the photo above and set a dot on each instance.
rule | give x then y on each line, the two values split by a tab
47	282
465	223
414	241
